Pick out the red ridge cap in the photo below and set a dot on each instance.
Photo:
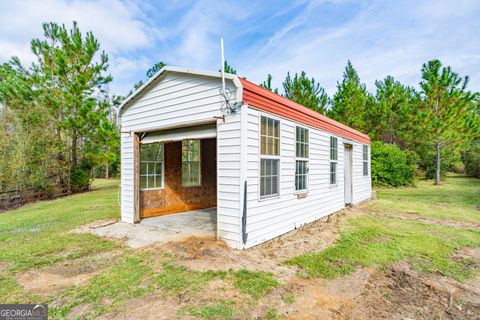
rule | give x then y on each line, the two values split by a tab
266	100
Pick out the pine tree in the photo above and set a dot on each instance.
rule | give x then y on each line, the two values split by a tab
447	114
306	91
228	68
351	103
392	111
267	84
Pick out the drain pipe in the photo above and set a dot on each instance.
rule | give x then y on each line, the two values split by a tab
244	215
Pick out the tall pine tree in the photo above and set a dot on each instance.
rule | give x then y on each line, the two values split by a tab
306	91
447	114
392	111
351	103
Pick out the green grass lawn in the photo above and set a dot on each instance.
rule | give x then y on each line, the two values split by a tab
458	199
38	236
383	240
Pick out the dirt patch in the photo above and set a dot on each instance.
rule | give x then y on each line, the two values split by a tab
400	293
396	293
60	276
207	254
330	299
151	307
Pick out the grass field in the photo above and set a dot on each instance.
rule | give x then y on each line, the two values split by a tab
37	237
380	240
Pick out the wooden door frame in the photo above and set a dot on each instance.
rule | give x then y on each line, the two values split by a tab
136	178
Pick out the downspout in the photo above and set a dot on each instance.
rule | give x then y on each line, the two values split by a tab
243	172
244	216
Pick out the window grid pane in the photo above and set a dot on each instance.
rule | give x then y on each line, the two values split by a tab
301	174
301	142
333	173
333	148
269	177
365	160
151	166
270	136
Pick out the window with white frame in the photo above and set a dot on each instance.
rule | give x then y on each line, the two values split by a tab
333	160
151	166
190	163
301	162
365	160
269	157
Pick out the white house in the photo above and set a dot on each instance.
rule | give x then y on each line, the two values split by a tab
267	164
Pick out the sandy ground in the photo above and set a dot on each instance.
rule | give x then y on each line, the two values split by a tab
395	293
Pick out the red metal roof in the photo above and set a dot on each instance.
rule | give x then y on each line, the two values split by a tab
266	100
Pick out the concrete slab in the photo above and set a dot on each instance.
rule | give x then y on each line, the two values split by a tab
173	227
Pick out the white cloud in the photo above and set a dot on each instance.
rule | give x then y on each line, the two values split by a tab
379	38
114	23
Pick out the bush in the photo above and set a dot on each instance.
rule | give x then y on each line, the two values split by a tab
391	166
471	159
80	180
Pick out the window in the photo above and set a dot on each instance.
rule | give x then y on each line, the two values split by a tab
269	157
190	163
301	175
301	163
270	137
365	160
269	177
333	159
151	166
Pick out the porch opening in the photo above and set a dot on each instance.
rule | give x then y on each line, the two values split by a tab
184	180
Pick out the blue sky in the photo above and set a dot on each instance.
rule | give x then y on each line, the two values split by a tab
379	37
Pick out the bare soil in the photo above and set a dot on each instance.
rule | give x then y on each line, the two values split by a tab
394	293
51	280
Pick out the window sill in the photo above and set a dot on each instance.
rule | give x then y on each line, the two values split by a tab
149	189
301	194
333	186
266	198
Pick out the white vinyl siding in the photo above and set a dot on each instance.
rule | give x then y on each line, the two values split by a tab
286	212
301	162
127	185
333	160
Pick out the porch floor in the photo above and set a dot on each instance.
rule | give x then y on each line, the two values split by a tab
162	229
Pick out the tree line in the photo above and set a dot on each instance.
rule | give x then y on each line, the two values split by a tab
439	123
58	119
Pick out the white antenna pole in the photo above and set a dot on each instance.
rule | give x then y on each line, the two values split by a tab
223	67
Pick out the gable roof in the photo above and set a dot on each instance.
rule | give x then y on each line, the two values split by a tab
167	69
266	100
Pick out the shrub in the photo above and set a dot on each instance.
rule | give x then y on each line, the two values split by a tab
80	180
391	166
471	159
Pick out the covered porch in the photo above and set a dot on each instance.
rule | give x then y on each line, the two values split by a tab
200	223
